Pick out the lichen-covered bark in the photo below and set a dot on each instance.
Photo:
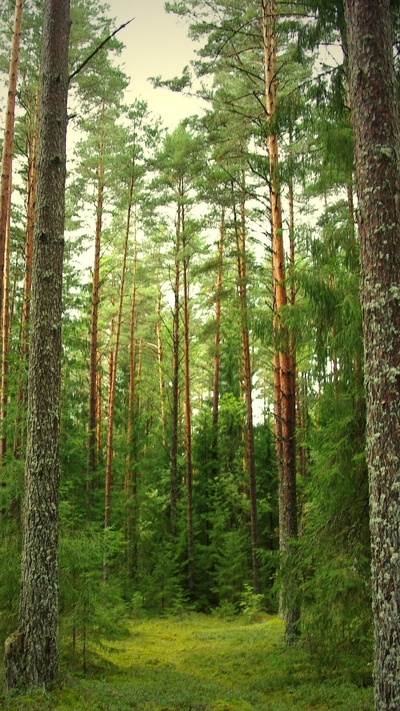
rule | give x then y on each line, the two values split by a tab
373	97
38	624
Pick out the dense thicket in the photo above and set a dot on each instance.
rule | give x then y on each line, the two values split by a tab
212	419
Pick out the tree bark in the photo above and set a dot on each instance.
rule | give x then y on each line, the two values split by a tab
5	214
283	360
93	359
160	361
217	348
114	353
32	141
240	230
374	113
175	383
38	617
188	423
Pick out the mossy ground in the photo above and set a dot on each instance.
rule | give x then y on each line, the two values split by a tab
201	663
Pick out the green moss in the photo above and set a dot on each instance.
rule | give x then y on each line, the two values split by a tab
200	663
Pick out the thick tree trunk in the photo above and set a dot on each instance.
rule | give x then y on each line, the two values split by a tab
283	362
37	648
373	93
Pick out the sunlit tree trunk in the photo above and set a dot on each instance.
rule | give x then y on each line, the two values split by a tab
114	354
5	215
30	222
217	347
109	450
160	361
130	484
283	360
188	423
240	230
175	380
31	654
375	119
93	358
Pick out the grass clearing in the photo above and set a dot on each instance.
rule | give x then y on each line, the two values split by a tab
200	663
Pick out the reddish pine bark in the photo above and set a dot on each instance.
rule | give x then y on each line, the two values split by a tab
114	354
240	229
283	360
5	214
93	357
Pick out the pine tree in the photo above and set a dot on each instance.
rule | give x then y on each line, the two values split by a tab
374	114
31	655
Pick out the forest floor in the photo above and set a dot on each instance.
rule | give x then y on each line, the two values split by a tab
200	663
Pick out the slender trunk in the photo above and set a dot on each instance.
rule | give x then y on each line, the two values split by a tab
114	354
25	311
217	347
109	449
375	119
132	382
240	229
98	436
188	424
284	366
5	216
30	222
130	484
160	359
93	358
175	382
5	340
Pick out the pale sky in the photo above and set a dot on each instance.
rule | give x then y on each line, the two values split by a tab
156	43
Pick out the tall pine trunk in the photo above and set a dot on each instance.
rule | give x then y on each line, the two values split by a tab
32	141
114	354
240	230
217	348
374	113
31	654
130	483
174	491
188	423
160	362
283	360
5	215
93	358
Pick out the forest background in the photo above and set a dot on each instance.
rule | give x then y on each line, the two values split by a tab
213	411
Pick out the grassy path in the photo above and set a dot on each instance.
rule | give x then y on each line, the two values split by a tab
199	663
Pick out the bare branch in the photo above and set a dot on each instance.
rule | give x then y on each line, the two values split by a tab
97	49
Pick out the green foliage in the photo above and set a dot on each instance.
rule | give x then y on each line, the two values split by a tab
201	663
251	604
334	550
90	609
200	168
